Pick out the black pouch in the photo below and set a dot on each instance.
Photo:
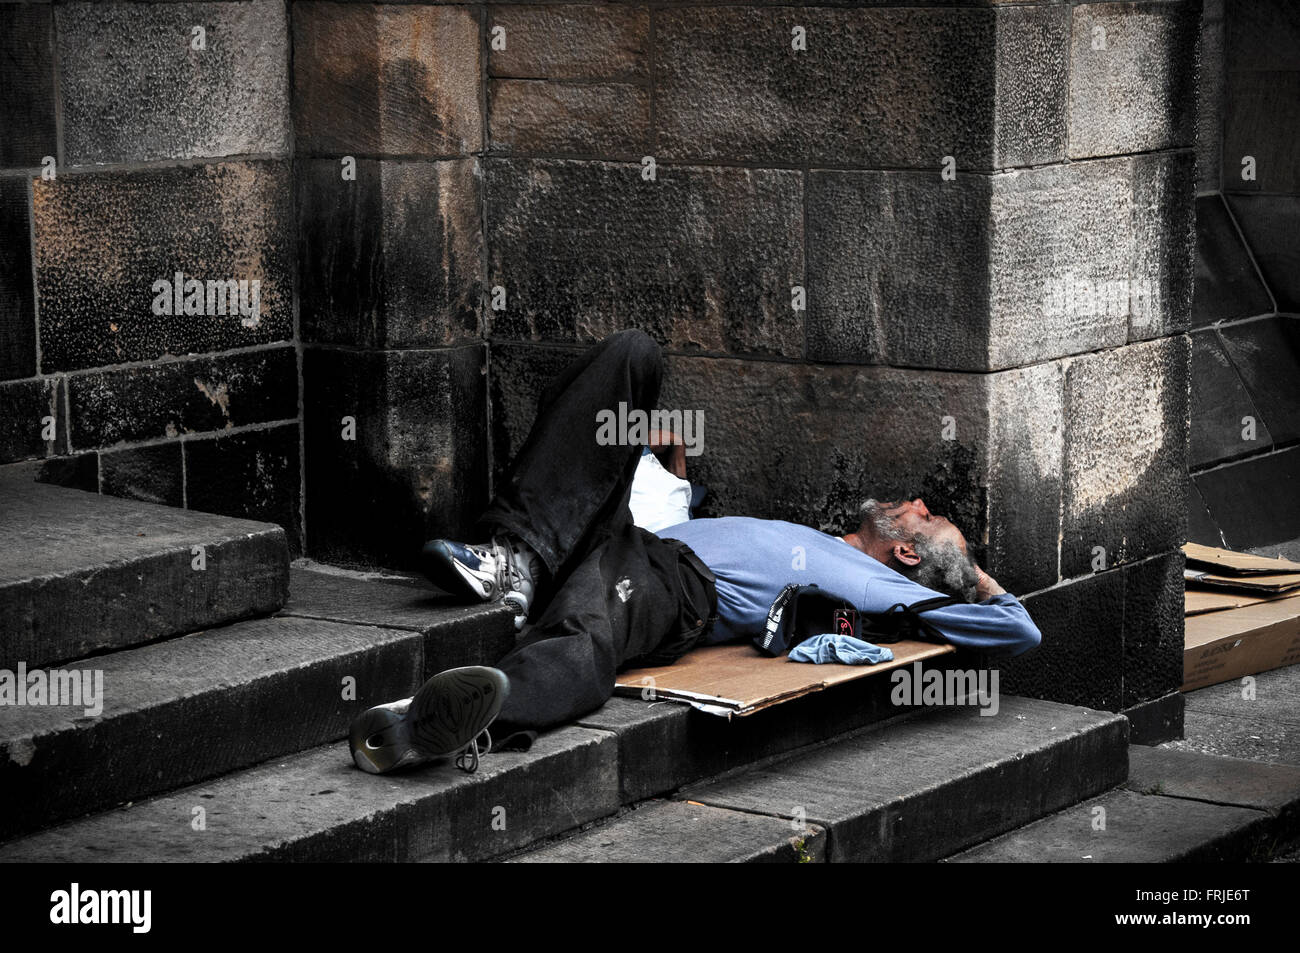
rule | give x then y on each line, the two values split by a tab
800	612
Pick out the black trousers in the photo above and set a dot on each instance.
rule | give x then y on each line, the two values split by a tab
617	594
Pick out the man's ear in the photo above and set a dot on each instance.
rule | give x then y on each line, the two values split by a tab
905	554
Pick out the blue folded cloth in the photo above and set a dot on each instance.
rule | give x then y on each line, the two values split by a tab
839	648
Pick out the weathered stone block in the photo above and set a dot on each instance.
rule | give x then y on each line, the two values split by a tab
1263	122
897	87
1227	285
1133	77
17	314
106	243
898	268
1263	35
183	397
251	475
1253	504
386	80
30	411
1163	245
1270	224
153	474
1153	628
532	117
571	42
1220	405
1125	461
1209	101
698	258
135	88
987	272
1081	658
417	465
1267	354
26	85
393	258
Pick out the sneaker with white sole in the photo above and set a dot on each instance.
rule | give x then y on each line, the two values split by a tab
448	716
504	570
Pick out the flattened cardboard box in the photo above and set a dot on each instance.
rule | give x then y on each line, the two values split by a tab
736	680
1221	646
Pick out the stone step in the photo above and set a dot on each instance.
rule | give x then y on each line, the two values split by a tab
922	788
317	806
1176	807
82	573
201	705
910	789
676	832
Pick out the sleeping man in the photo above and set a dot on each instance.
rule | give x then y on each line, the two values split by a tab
593	592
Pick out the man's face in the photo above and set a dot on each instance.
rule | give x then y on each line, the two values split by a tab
911	518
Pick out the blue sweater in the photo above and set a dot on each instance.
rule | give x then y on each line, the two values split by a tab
755	559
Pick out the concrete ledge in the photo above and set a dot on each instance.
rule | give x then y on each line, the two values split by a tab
924	788
1139	828
674	832
81	572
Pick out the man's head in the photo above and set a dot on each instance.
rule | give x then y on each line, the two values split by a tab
928	549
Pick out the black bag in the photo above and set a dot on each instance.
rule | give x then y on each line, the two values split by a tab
800	612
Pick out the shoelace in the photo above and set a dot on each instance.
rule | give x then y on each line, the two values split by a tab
467	760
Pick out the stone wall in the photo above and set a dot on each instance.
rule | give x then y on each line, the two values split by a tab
1246	332
938	248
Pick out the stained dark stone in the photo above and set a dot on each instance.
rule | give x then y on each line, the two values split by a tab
17	315
79	471
183	397
1081	658
417	467
1227	285
698	258
26	84
729	85
1125	473
1254	501
27	410
389	80
1153	628
1262	120
533	117
250	475
152	474
1219	404
571	42
1201	527
133	88
1263	35
104	239
392	258
1267	355
1270	224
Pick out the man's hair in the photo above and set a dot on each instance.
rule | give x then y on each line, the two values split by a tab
943	566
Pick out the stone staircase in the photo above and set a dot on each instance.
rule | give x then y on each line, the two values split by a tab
220	736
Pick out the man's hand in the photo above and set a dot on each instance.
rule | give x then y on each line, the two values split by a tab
668	447
986	585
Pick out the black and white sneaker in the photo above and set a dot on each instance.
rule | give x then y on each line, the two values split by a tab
504	570
448	716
